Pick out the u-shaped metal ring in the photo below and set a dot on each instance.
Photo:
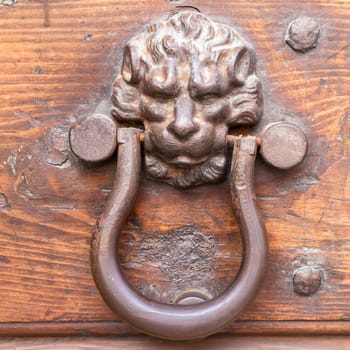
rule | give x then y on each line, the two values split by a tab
178	322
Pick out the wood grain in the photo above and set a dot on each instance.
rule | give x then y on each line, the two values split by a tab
58	60
144	343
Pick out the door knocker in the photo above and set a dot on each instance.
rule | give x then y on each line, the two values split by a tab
186	81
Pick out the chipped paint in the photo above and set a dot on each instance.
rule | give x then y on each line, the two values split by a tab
4	204
8	2
11	162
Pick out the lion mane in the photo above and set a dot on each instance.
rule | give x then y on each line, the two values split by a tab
195	35
189	35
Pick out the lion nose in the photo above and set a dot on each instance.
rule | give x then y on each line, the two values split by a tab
183	125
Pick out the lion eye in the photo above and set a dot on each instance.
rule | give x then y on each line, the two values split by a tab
163	98
207	99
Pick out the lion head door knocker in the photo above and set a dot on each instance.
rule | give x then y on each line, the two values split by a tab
187	80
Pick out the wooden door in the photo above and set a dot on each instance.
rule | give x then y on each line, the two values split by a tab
58	62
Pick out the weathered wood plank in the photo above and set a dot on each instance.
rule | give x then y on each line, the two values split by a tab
58	61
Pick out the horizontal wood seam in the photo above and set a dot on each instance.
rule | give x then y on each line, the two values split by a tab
115	328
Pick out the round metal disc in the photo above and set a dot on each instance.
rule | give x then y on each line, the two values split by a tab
93	138
283	145
191	297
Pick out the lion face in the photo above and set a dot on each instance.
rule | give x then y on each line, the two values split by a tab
185	123
187	94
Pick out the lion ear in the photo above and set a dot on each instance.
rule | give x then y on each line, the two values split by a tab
241	65
131	65
247	105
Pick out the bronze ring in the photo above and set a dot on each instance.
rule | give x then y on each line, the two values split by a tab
178	322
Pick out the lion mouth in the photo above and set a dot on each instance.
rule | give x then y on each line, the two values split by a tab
186	162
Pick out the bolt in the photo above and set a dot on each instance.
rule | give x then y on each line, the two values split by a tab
306	280
93	138
283	145
302	34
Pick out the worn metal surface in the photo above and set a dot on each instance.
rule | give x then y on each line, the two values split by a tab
187	79
93	138
306	280
179	321
283	145
303	33
187	106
